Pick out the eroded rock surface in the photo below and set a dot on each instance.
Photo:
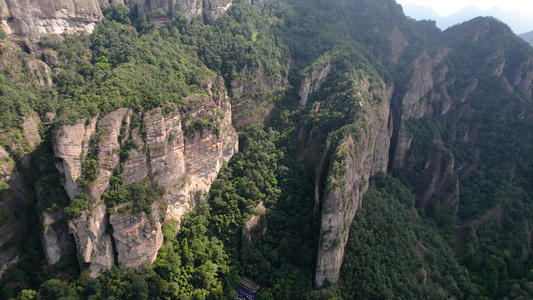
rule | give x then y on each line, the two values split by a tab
94	246
48	16
71	145
22	17
137	237
209	10
357	159
55	236
313	81
176	150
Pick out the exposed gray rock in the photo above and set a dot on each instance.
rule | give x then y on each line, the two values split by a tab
16	195
94	246
48	16
399	44
359	157
71	144
30	129
312	82
137	237
22	17
108	149
55	236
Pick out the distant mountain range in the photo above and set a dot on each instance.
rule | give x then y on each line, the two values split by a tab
528	37
519	23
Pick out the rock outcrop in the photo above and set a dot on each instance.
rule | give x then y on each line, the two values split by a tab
48	16
260	81
71	145
254	94
254	230
434	90
261	3
362	154
94	247
399	44
209	10
313	80
137	237
55	236
20	17
30	129
176	150
417	101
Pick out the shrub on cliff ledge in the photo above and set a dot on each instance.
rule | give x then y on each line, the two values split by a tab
82	202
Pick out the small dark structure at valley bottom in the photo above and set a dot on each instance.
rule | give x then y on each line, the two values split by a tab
247	289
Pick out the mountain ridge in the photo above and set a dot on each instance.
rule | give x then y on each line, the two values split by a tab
528	37
519	22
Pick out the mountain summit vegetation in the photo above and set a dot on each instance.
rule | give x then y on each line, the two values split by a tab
379	157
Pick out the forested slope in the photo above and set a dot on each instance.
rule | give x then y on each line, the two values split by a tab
378	157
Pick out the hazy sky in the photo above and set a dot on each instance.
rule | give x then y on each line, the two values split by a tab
447	7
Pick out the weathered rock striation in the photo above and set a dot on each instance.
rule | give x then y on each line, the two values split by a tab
137	237
48	16
209	10
178	150
434	90
313	80
22	17
250	89
72	144
55	236
361	155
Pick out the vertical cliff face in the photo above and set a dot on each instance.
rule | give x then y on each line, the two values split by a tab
351	144
261	3
48	16
177	151
15	190
362	154
254	230
433	89
72	144
55	236
314	79
18	173
137	237
94	246
209	10
22	17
